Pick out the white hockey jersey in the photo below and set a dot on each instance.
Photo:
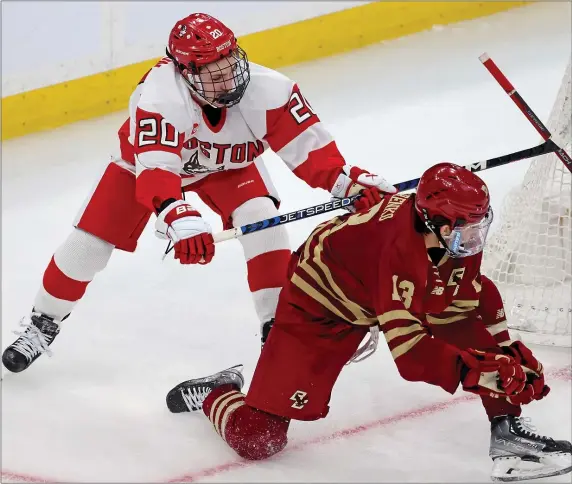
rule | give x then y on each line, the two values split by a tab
172	143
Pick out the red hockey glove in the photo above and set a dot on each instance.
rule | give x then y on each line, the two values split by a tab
190	234
490	374
354	180
368	198
536	388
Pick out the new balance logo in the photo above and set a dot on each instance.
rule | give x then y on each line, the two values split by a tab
500	314
299	399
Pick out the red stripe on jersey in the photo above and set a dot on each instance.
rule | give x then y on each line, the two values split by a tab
154	133
268	269
322	167
60	286
125	147
155	186
285	123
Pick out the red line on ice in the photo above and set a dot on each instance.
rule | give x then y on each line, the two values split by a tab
17	477
564	374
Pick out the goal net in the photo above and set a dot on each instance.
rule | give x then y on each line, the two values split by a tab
529	255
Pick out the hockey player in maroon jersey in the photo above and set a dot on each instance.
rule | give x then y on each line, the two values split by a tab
198	121
409	266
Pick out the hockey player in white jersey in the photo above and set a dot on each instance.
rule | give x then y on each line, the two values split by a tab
198	121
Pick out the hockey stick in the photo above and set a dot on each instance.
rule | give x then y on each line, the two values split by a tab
330	206
547	147
525	108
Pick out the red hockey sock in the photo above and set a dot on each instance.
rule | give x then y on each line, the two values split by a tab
73	266
61	286
499	406
251	433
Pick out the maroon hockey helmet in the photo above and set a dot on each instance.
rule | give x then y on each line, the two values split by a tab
205	51
449	194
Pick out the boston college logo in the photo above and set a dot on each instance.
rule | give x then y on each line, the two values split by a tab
299	399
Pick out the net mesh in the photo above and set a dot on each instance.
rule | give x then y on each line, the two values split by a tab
529	256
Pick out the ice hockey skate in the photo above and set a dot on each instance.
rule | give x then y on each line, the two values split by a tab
189	395
39	333
520	454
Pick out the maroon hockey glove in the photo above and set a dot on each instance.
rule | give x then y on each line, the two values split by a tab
190	234
536	388
490	374
369	197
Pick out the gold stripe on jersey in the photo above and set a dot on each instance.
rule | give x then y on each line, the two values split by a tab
401	331
477	286
314	294
452	319
396	314
365	322
405	347
355	308
312	273
326	296
462	306
314	233
455	309
497	328
469	304
311	263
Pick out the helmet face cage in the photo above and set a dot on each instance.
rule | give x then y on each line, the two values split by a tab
230	75
465	239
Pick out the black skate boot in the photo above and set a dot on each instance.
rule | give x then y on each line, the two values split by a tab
265	331
519	454
40	331
189	395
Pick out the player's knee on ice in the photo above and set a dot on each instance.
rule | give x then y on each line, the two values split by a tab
256	435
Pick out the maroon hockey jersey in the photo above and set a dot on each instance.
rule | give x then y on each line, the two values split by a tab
373	268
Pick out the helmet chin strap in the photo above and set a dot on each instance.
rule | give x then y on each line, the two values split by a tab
435	230
215	104
197	93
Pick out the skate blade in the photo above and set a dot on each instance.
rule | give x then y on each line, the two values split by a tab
516	469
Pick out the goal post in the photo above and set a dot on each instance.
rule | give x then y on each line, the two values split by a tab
529	255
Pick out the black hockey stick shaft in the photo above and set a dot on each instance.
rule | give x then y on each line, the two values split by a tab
547	147
544	148
524	107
